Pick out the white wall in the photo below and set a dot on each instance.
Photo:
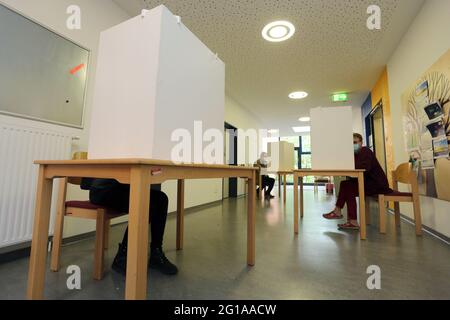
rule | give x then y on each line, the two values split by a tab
357	120
96	16
426	41
239	117
198	192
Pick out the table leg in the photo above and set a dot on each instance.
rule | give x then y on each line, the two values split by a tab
180	214
284	189
301	197
362	206
138	225
38	256
295	204
251	221
260	193
279	186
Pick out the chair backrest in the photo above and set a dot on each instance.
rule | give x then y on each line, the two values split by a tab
403	173
81	155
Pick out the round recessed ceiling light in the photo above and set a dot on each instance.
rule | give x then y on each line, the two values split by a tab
298	95
278	31
304	119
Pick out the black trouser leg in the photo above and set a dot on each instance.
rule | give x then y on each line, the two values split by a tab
158	217
117	198
269	183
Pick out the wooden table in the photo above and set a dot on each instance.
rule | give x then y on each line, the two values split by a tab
140	174
359	174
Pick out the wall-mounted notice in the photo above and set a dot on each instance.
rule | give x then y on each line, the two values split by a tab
426	118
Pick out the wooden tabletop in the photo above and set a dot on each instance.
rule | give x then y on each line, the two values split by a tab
138	161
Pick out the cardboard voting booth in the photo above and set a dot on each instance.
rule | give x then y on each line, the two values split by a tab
332	138
281	156
154	80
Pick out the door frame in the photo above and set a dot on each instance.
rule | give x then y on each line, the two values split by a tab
378	108
232	160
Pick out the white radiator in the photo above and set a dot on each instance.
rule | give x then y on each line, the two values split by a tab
19	147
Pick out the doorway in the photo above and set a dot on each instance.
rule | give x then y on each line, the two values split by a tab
230	185
376	140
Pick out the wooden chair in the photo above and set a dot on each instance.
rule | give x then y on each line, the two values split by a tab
84	210
403	174
320	180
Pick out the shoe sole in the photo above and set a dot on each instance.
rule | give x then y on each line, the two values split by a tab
124	273
166	273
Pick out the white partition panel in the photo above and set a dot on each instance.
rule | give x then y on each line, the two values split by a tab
281	156
332	138
154	76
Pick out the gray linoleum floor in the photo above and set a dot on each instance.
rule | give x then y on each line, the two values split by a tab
320	263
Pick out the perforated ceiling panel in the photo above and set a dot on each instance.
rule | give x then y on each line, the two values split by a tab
332	49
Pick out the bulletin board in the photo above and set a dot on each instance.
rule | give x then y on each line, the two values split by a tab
42	74
426	107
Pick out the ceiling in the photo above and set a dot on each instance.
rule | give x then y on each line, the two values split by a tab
331	51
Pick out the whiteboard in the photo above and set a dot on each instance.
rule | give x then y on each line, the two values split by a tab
332	138
42	75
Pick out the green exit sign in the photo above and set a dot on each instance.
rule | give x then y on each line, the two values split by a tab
340	97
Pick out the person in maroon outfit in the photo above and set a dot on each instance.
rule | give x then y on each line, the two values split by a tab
375	182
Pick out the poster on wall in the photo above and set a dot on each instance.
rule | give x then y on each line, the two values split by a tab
426	123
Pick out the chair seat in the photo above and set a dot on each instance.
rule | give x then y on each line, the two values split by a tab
83	205
392	194
399	194
87	205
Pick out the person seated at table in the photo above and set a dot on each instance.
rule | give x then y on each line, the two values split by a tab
375	182
114	195
267	182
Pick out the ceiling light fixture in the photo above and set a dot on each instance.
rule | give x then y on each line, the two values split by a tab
278	31
302	129
304	119
298	95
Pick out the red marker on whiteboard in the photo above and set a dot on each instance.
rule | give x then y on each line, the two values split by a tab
77	68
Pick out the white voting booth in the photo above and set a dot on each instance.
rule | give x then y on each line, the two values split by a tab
332	138
281	155
154	77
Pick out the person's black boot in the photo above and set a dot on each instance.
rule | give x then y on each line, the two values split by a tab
120	261
159	262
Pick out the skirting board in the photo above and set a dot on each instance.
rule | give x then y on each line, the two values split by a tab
428	230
